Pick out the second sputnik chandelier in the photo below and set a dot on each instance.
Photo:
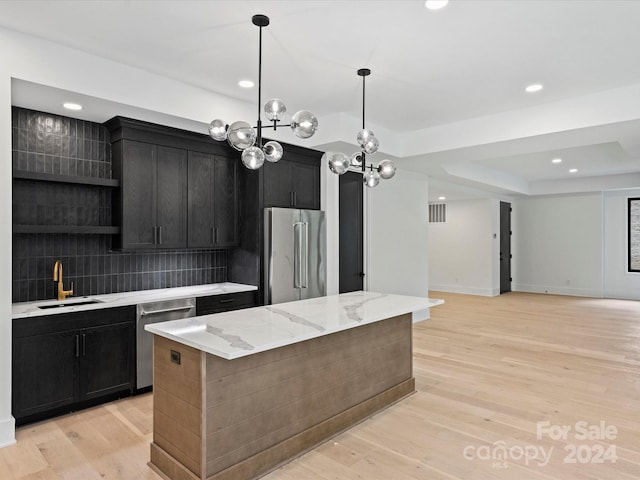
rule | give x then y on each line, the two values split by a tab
340	163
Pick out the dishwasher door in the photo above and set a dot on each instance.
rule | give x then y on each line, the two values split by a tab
153	313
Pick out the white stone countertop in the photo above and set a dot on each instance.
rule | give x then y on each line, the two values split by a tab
245	332
31	309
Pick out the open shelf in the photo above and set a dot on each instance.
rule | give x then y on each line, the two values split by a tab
91	229
52	177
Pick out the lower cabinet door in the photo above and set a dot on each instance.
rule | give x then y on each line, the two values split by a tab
107	360
46	373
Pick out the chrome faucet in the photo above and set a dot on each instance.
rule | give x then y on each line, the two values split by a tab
57	277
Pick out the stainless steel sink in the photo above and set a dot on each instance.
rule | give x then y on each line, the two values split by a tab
71	303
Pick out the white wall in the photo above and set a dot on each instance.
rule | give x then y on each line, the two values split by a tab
397	220
6	420
463	251
558	245
618	282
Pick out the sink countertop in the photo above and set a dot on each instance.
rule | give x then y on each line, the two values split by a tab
245	332
30	309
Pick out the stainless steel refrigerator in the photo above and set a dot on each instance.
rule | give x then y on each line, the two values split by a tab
295	254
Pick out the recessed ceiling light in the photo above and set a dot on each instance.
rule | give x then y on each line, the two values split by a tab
435	4
442	198
534	87
573	170
72	106
246	83
556	160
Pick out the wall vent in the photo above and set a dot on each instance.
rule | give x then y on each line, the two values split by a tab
437	212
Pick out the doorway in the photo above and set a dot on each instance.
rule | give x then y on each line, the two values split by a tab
351	270
505	247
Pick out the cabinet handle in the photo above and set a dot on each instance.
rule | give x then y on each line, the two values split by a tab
292	202
84	344
155	235
213	235
77	345
164	310
295	198
160	235
228	300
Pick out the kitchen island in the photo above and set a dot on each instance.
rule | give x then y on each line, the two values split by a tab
237	394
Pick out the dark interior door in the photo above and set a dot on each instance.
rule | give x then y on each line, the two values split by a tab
505	247
351	211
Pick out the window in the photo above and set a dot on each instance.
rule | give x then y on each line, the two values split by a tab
633	225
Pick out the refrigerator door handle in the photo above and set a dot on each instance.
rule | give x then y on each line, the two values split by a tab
297	255
304	256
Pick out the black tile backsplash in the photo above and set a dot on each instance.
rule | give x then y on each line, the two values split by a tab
94	270
50	143
47	143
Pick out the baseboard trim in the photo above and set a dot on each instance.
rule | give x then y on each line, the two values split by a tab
557	290
7	432
483	292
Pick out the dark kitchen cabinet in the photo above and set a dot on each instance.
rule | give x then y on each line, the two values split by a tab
151	204
69	361
225	302
106	360
44	373
292	183
212	201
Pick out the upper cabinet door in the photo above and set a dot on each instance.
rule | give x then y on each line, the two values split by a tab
305	180
152	204
213	201
138	171
225	201
201	223
171	198
292	184
277	184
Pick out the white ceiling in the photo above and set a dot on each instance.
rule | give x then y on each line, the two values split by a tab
429	69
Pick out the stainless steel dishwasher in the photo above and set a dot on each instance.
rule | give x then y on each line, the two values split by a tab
155	312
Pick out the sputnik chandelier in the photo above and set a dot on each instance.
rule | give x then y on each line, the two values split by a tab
340	163
247	139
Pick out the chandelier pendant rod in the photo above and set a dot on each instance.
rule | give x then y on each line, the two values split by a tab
364	72
259	128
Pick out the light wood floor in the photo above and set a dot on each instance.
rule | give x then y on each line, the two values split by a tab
487	370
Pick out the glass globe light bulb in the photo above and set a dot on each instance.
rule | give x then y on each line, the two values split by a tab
274	109
387	169
356	160
363	136
218	130
338	162
304	124
241	135
371	178
371	146
273	151
252	158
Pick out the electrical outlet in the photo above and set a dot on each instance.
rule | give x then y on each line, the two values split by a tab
175	357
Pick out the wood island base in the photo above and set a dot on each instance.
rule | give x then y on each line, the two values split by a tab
240	419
